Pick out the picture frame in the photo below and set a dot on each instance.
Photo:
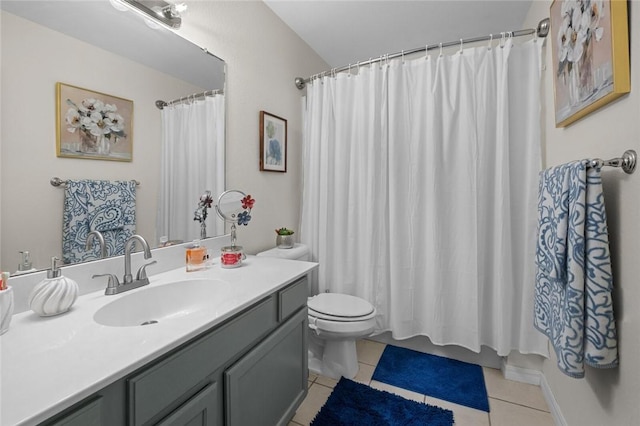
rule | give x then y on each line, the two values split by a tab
273	143
590	56
93	125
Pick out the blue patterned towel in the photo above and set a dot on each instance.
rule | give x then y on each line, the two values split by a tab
573	302
97	205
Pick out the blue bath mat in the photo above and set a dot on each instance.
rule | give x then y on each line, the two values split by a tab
353	403
443	378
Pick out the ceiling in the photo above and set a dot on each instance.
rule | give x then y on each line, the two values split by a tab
348	31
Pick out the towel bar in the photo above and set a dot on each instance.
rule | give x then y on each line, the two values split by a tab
56	181
627	162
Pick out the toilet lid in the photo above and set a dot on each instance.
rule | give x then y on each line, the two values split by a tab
339	305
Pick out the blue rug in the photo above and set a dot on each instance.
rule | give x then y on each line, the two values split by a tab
443	378
352	404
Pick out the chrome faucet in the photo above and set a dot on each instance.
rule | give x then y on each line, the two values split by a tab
128	278
113	285
96	235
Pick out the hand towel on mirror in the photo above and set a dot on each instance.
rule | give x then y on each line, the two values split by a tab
85	202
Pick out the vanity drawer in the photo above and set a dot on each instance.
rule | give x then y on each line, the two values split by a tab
292	298
172	381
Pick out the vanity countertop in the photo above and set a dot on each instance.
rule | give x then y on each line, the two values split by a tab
48	364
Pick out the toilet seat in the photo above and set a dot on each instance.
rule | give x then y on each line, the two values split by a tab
342	329
321	315
340	307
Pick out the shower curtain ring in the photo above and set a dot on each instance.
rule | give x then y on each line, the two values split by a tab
461	42
440	49
426	51
502	39
402	53
490	41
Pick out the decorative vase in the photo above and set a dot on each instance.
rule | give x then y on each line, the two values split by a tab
203	230
284	241
6	309
581	79
53	296
104	145
88	142
585	65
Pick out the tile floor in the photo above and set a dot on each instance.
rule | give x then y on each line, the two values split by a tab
511	403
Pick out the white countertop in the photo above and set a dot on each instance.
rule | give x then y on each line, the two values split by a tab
48	364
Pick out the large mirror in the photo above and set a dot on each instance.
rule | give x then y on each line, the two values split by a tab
91	45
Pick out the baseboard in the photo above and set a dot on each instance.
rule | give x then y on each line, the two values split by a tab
519	374
554	408
535	377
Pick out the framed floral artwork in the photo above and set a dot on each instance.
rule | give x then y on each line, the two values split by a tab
590	48
273	143
93	125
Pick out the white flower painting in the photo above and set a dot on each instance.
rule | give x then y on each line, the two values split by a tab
93	125
582	38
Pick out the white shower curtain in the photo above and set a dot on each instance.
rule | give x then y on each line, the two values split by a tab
192	162
420	183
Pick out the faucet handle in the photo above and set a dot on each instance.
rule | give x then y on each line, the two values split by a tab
142	272
112	283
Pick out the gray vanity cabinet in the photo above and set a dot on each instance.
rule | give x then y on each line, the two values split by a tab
267	384
249	370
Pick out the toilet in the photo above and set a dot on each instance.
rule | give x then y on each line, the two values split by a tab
336	321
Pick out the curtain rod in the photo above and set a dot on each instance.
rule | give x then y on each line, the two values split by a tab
160	104
541	31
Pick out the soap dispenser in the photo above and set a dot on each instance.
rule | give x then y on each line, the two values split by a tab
25	264
54	295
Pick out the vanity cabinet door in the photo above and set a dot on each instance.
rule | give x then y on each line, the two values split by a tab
200	410
266	386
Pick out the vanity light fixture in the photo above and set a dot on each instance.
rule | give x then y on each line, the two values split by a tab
162	12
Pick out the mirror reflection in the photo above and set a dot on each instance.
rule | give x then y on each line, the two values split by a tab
96	47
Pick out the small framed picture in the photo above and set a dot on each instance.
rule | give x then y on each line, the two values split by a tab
93	125
273	143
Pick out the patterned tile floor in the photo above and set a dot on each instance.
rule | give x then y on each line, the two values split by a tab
511	403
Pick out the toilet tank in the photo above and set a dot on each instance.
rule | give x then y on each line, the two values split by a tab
297	252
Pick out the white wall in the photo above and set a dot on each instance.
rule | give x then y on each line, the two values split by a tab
263	57
604	397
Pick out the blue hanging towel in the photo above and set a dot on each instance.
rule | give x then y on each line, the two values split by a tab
573	303
97	205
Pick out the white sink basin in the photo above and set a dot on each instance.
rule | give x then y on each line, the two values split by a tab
168	302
